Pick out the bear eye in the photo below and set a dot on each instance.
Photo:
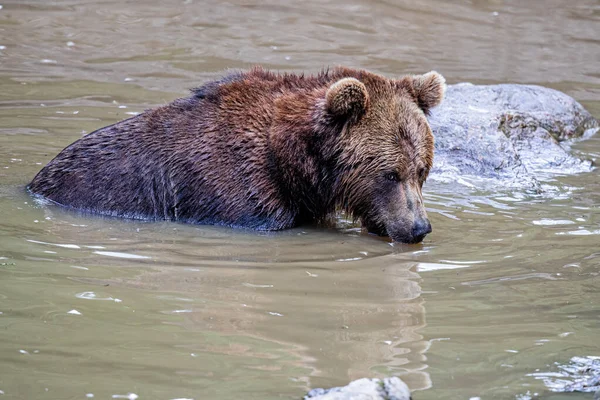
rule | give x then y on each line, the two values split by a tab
422	174
392	176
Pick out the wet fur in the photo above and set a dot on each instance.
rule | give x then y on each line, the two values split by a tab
259	150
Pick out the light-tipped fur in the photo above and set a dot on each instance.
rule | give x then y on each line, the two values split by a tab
347	97
429	90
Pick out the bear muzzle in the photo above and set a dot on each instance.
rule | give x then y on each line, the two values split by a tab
405	233
420	229
402	232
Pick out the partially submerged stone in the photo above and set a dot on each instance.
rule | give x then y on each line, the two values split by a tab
516	134
581	374
392	388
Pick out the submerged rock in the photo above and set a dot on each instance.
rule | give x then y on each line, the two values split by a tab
581	374
364	389
516	134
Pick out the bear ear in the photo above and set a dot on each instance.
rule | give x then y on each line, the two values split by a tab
428	90
347	98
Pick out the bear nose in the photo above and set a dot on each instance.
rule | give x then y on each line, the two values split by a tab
420	229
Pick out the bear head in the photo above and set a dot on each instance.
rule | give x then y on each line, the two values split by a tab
385	150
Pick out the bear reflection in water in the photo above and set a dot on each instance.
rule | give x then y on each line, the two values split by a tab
264	151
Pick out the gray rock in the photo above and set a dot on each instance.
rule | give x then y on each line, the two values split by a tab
516	134
364	389
581	374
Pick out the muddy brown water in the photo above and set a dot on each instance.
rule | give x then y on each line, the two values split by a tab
506	285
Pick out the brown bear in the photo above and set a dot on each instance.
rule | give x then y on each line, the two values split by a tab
266	151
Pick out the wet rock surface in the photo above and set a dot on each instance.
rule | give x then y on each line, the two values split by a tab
581	374
364	389
518	135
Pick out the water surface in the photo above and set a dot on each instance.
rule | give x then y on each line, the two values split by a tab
506	285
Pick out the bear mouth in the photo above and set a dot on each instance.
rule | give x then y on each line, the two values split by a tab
375	228
412	240
398	237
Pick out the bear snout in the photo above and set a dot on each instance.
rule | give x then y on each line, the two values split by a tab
401	231
404	232
420	229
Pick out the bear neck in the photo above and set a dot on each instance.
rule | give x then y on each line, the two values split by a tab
303	163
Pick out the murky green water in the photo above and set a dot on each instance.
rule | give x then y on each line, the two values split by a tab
506	285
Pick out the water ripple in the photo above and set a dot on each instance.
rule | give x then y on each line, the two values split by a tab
540	275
